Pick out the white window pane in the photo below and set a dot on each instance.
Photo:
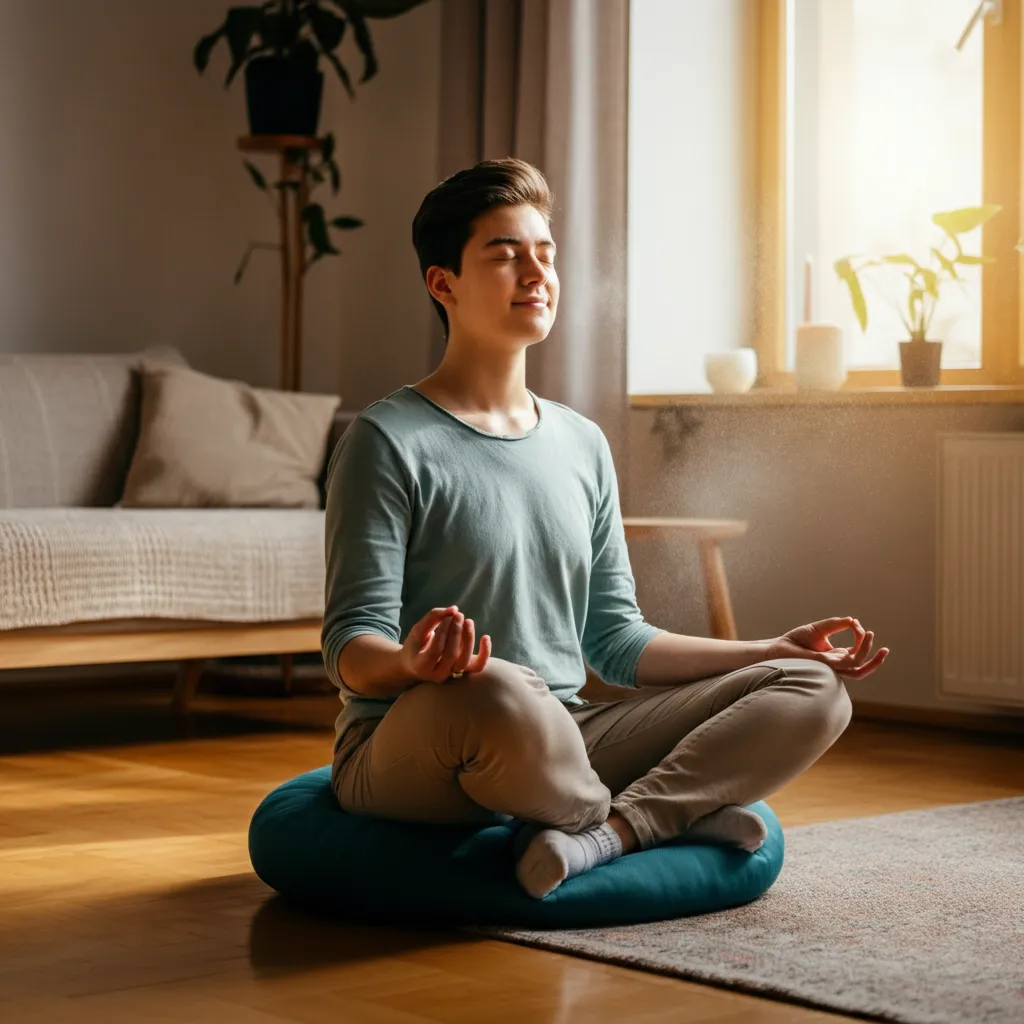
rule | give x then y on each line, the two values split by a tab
885	129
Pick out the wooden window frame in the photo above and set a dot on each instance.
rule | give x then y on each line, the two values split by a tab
1002	329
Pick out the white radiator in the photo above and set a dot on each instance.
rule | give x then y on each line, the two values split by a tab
981	567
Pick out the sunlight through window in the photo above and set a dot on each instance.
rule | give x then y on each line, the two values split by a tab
884	129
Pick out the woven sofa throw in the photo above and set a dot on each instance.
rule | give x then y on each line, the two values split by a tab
205	442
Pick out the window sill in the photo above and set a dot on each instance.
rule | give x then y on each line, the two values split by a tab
950	394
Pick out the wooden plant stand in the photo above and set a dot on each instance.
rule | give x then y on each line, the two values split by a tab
290	204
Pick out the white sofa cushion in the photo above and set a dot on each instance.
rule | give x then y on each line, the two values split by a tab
65	565
68	426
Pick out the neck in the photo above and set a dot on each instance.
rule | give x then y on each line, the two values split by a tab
483	379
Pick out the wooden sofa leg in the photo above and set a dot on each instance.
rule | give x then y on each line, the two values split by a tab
187	683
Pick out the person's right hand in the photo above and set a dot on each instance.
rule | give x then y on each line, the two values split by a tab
442	643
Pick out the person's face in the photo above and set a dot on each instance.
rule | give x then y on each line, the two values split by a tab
508	287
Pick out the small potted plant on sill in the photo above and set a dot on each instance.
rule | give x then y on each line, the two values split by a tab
921	356
280	44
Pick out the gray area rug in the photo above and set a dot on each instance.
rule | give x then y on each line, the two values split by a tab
915	917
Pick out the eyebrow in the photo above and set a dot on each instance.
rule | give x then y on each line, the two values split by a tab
509	240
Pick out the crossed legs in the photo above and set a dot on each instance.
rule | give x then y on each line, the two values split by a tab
498	741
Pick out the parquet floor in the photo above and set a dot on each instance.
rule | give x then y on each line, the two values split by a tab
126	893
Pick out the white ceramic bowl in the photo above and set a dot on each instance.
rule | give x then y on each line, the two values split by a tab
732	372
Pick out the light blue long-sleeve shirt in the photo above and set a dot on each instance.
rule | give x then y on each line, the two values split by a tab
523	533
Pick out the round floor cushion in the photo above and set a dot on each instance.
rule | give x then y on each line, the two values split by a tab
319	857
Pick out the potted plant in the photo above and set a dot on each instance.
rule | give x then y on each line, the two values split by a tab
921	356
280	44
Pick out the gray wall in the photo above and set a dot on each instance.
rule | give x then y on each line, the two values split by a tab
124	208
842	512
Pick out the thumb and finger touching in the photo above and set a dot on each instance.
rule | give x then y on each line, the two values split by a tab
447	639
854	661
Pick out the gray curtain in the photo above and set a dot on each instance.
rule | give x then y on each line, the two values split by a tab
546	81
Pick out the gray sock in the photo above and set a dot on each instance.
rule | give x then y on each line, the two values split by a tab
552	856
730	825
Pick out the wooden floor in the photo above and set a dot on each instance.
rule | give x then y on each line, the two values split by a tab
126	893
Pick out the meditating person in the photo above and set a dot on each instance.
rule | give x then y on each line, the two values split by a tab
476	559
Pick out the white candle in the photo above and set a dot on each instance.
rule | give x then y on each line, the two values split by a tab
820	360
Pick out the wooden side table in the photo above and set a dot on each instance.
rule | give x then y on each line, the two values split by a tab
707	534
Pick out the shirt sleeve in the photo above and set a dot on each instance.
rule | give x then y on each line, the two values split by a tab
366	533
615	632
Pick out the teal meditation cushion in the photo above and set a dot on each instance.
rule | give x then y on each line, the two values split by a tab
321	858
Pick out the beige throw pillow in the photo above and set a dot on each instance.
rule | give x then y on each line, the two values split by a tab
207	442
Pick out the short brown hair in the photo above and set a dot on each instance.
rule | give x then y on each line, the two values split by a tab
444	222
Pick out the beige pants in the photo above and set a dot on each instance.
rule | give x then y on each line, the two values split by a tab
499	741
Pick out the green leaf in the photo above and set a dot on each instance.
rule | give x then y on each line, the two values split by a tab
902	258
365	44
237	66
240	26
343	76
316	228
946	263
328	28
346	223
332	170
304	50
847	274
931	281
967	260
254	172
379	8
957	222
327	146
275	30
292	186
203	49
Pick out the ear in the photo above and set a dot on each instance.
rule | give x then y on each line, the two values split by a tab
438	285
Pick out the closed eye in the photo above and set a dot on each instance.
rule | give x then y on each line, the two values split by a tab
549	262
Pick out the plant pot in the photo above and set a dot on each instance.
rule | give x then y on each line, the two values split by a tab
283	96
920	363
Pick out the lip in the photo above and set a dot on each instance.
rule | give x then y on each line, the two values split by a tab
533	303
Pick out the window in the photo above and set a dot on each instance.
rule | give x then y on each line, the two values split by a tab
869	121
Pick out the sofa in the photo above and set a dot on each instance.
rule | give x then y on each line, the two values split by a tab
85	580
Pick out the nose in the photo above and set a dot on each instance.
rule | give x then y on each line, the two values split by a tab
533	271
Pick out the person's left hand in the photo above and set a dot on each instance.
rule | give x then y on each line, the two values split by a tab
812	642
